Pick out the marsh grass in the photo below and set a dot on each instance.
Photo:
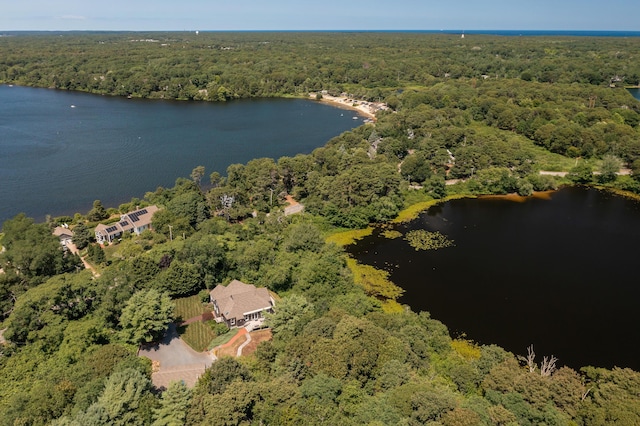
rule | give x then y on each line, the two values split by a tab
349	237
414	210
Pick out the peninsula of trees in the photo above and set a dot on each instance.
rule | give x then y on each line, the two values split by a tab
477	115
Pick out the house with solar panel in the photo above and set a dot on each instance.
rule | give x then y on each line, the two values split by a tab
135	222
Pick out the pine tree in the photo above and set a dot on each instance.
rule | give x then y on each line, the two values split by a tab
174	404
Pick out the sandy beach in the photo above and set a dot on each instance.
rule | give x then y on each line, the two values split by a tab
367	109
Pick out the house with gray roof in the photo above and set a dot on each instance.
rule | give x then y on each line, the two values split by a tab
135	221
64	234
238	304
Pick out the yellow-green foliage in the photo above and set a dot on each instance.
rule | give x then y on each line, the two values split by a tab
412	196
466	349
391	234
46	295
425	240
375	282
621	192
349	237
414	210
543	159
392	307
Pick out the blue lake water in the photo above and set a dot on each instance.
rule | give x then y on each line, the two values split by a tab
60	151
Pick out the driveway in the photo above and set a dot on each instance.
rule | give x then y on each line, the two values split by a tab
176	360
72	247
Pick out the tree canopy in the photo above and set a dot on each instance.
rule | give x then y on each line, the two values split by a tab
488	112
146	316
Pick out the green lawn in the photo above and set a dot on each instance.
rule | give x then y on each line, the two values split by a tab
221	340
189	307
198	335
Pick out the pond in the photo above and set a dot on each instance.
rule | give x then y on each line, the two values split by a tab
60	151
635	92
556	272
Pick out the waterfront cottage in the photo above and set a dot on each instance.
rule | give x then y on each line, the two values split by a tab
239	304
64	234
135	221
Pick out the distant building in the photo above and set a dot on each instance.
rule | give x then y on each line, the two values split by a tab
64	234
238	303
135	222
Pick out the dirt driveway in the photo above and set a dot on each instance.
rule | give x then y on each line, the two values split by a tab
176	360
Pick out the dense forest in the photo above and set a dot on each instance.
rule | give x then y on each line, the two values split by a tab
478	115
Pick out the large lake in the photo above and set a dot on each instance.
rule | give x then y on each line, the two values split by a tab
60	151
559	273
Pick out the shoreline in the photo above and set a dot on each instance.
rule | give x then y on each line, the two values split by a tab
364	108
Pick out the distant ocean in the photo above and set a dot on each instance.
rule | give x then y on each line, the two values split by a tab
551	33
509	33
523	33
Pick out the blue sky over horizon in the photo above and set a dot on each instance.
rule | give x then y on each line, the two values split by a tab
212	15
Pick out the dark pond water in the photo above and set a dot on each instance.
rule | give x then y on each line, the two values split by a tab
635	93
559	273
60	151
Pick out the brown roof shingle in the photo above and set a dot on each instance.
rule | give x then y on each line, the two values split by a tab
238	298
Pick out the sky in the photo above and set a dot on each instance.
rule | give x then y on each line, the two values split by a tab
217	15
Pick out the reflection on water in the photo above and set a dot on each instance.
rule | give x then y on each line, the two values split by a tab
558	273
57	159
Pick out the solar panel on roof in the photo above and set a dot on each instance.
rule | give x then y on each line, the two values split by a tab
135	216
124	223
111	228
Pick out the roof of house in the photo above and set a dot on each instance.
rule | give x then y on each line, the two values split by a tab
138	218
62	232
128	221
111	229
238	298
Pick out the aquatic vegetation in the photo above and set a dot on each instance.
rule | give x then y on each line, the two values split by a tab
391	234
425	240
349	237
375	282
414	210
